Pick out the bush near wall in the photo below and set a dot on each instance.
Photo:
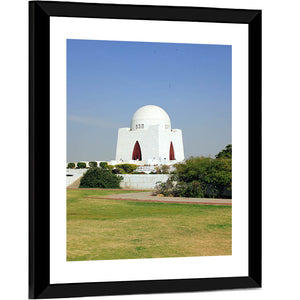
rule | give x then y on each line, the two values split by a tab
71	165
103	165
126	168
199	177
204	177
92	164
117	170
81	165
100	178
163	169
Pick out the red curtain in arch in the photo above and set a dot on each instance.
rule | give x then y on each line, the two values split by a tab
137	153
172	155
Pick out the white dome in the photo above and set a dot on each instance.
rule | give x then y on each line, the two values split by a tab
150	115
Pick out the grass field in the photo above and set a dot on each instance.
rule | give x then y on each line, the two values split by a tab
100	229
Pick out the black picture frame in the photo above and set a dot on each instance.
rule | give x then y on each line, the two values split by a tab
39	145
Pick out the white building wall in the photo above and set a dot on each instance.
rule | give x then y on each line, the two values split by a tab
178	144
154	141
165	139
164	144
124	144
148	140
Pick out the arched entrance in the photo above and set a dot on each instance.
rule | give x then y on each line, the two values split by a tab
172	155
137	153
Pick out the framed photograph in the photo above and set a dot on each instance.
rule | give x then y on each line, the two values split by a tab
145	149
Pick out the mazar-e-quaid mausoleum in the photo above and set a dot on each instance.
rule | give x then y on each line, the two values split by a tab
150	139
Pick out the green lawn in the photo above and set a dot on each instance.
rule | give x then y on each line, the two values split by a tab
99	229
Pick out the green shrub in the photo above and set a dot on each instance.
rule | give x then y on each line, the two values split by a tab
118	171
71	165
213	175
100	178
92	164
165	188
201	177
81	165
194	189
103	165
127	168
163	169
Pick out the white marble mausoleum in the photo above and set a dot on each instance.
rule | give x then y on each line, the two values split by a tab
150	139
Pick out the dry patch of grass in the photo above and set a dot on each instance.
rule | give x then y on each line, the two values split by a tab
100	229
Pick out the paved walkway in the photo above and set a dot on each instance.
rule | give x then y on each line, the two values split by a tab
147	196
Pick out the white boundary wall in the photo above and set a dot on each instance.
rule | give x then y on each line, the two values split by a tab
142	181
73	175
130	181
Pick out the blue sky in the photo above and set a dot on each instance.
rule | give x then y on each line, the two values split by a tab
107	81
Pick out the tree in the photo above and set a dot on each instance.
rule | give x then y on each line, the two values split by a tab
225	153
